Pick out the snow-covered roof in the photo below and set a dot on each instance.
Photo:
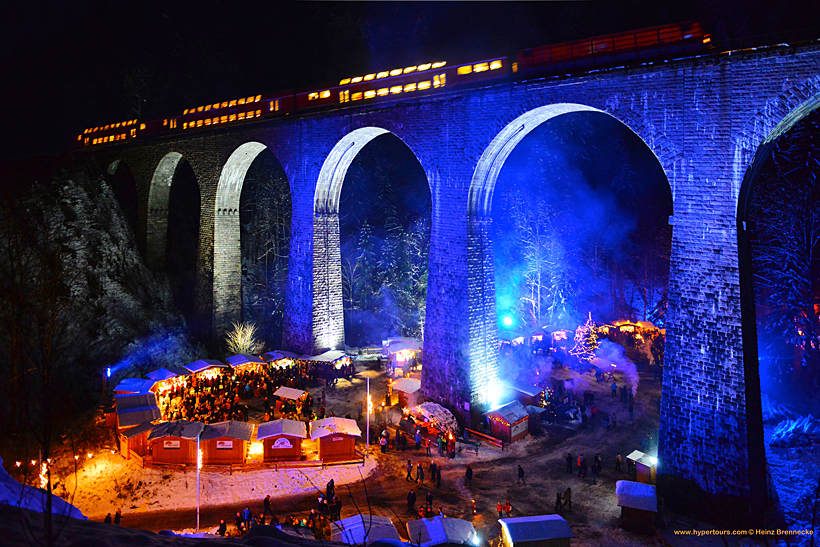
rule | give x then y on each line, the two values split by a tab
136	408
636	495
203	364
138	430
407	385
272	356
242	359
510	413
537	410
536	528
646	324
352	530
289	393
392	345
135	385
329	356
524	387
232	429
329	426
178	428
294	428
440	530
644	459
161	374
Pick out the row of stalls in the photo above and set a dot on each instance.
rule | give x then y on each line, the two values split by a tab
228	443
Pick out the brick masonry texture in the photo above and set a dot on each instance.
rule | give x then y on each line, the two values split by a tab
707	120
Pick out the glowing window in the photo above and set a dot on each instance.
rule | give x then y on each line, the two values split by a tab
232	118
356	80
224	104
382	92
79	137
495	65
241	116
424	85
142	126
164	122
395	72
443	80
313	96
324	94
439	64
369	94
118	124
481	67
107	126
369	77
395	89
344	96
208	121
258	113
199	123
133	132
241	101
258	97
465	69
184	125
216	105
223	119
185	112
425	66
345	81
232	103
409	87
410	69
382	75
356	96
200	109
436	81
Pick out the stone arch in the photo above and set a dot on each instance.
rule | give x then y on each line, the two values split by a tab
328	307
483	352
159	192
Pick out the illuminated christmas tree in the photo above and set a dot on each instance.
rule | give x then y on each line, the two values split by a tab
586	341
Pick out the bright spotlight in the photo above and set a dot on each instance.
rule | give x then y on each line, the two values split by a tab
476	540
508	321
653	460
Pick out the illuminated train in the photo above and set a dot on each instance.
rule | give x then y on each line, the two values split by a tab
588	54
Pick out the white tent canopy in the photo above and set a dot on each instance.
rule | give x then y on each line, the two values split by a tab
352	530
536	528
636	495
407	385
329	426
289	393
439	531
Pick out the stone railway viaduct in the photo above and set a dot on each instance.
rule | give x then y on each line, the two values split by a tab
710	121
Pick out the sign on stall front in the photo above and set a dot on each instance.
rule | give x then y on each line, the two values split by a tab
282	442
170	445
224	445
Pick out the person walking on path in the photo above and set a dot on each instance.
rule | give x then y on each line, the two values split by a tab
417	438
468	474
558	502
500	509
117	517
618	461
578	464
568	459
411	501
521	476
596	469
360	410
614	389
433	470
108	518
582	464
429	500
568	499
507	508
266	506
409	467
420	475
438	476
614	421
427	447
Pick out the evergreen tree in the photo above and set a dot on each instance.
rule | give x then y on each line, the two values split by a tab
586	341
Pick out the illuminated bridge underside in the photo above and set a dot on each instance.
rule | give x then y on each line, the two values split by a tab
708	123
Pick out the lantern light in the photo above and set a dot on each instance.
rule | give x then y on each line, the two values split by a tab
508	321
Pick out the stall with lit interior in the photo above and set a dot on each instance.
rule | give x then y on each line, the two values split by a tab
363	529
246	363
336	438
175	442
535	531
403	353
442	531
639	504
642	466
205	369
509	422
281	440
225	443
330	360
284	394
409	391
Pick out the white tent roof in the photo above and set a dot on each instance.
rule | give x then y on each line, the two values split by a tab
289	393
536	528
272	356
636	495
440	530
329	356
407	385
392	345
294	428
329	426
352	530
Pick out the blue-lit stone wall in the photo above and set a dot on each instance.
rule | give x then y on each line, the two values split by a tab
704	119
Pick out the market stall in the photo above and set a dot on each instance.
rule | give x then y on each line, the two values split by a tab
225	442
245	363
432	418
638	503
175	442
205	368
524	392
282	440
535	531
404	355
289	400
509	422
409	392
642	466
441	531
363	529
133	385
135	440
336	437
134	409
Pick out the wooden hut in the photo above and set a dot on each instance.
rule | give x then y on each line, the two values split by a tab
225	443
525	393
336	437
281	440
639	504
441	531
509	422
205	368
244	363
409	392
135	440
535	531
130	386
175	442
134	409
643	466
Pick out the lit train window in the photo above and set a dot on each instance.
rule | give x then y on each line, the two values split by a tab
142	127
425	66
232	118
133	132
424	85
409	87
241	101
382	75
324	94
369	94
173	123
344	96
395	89
356	96
199	123
232	103
79	137
382	92
369	77
257	98
439	64
356	80
395	72
208	121
313	96
184	125
495	65
241	115
481	67
465	70
164	123
216	105
436	81
409	69
345	81
224	104
207	107
223	119
185	112
277	105
200	109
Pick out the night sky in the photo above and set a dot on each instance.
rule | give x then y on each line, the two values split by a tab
70	65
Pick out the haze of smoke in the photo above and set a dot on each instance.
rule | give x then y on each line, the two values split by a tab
609	353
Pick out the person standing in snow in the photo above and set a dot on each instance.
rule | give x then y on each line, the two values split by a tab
468	474
521	476
411	500
568	459
420	475
409	467
118	517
